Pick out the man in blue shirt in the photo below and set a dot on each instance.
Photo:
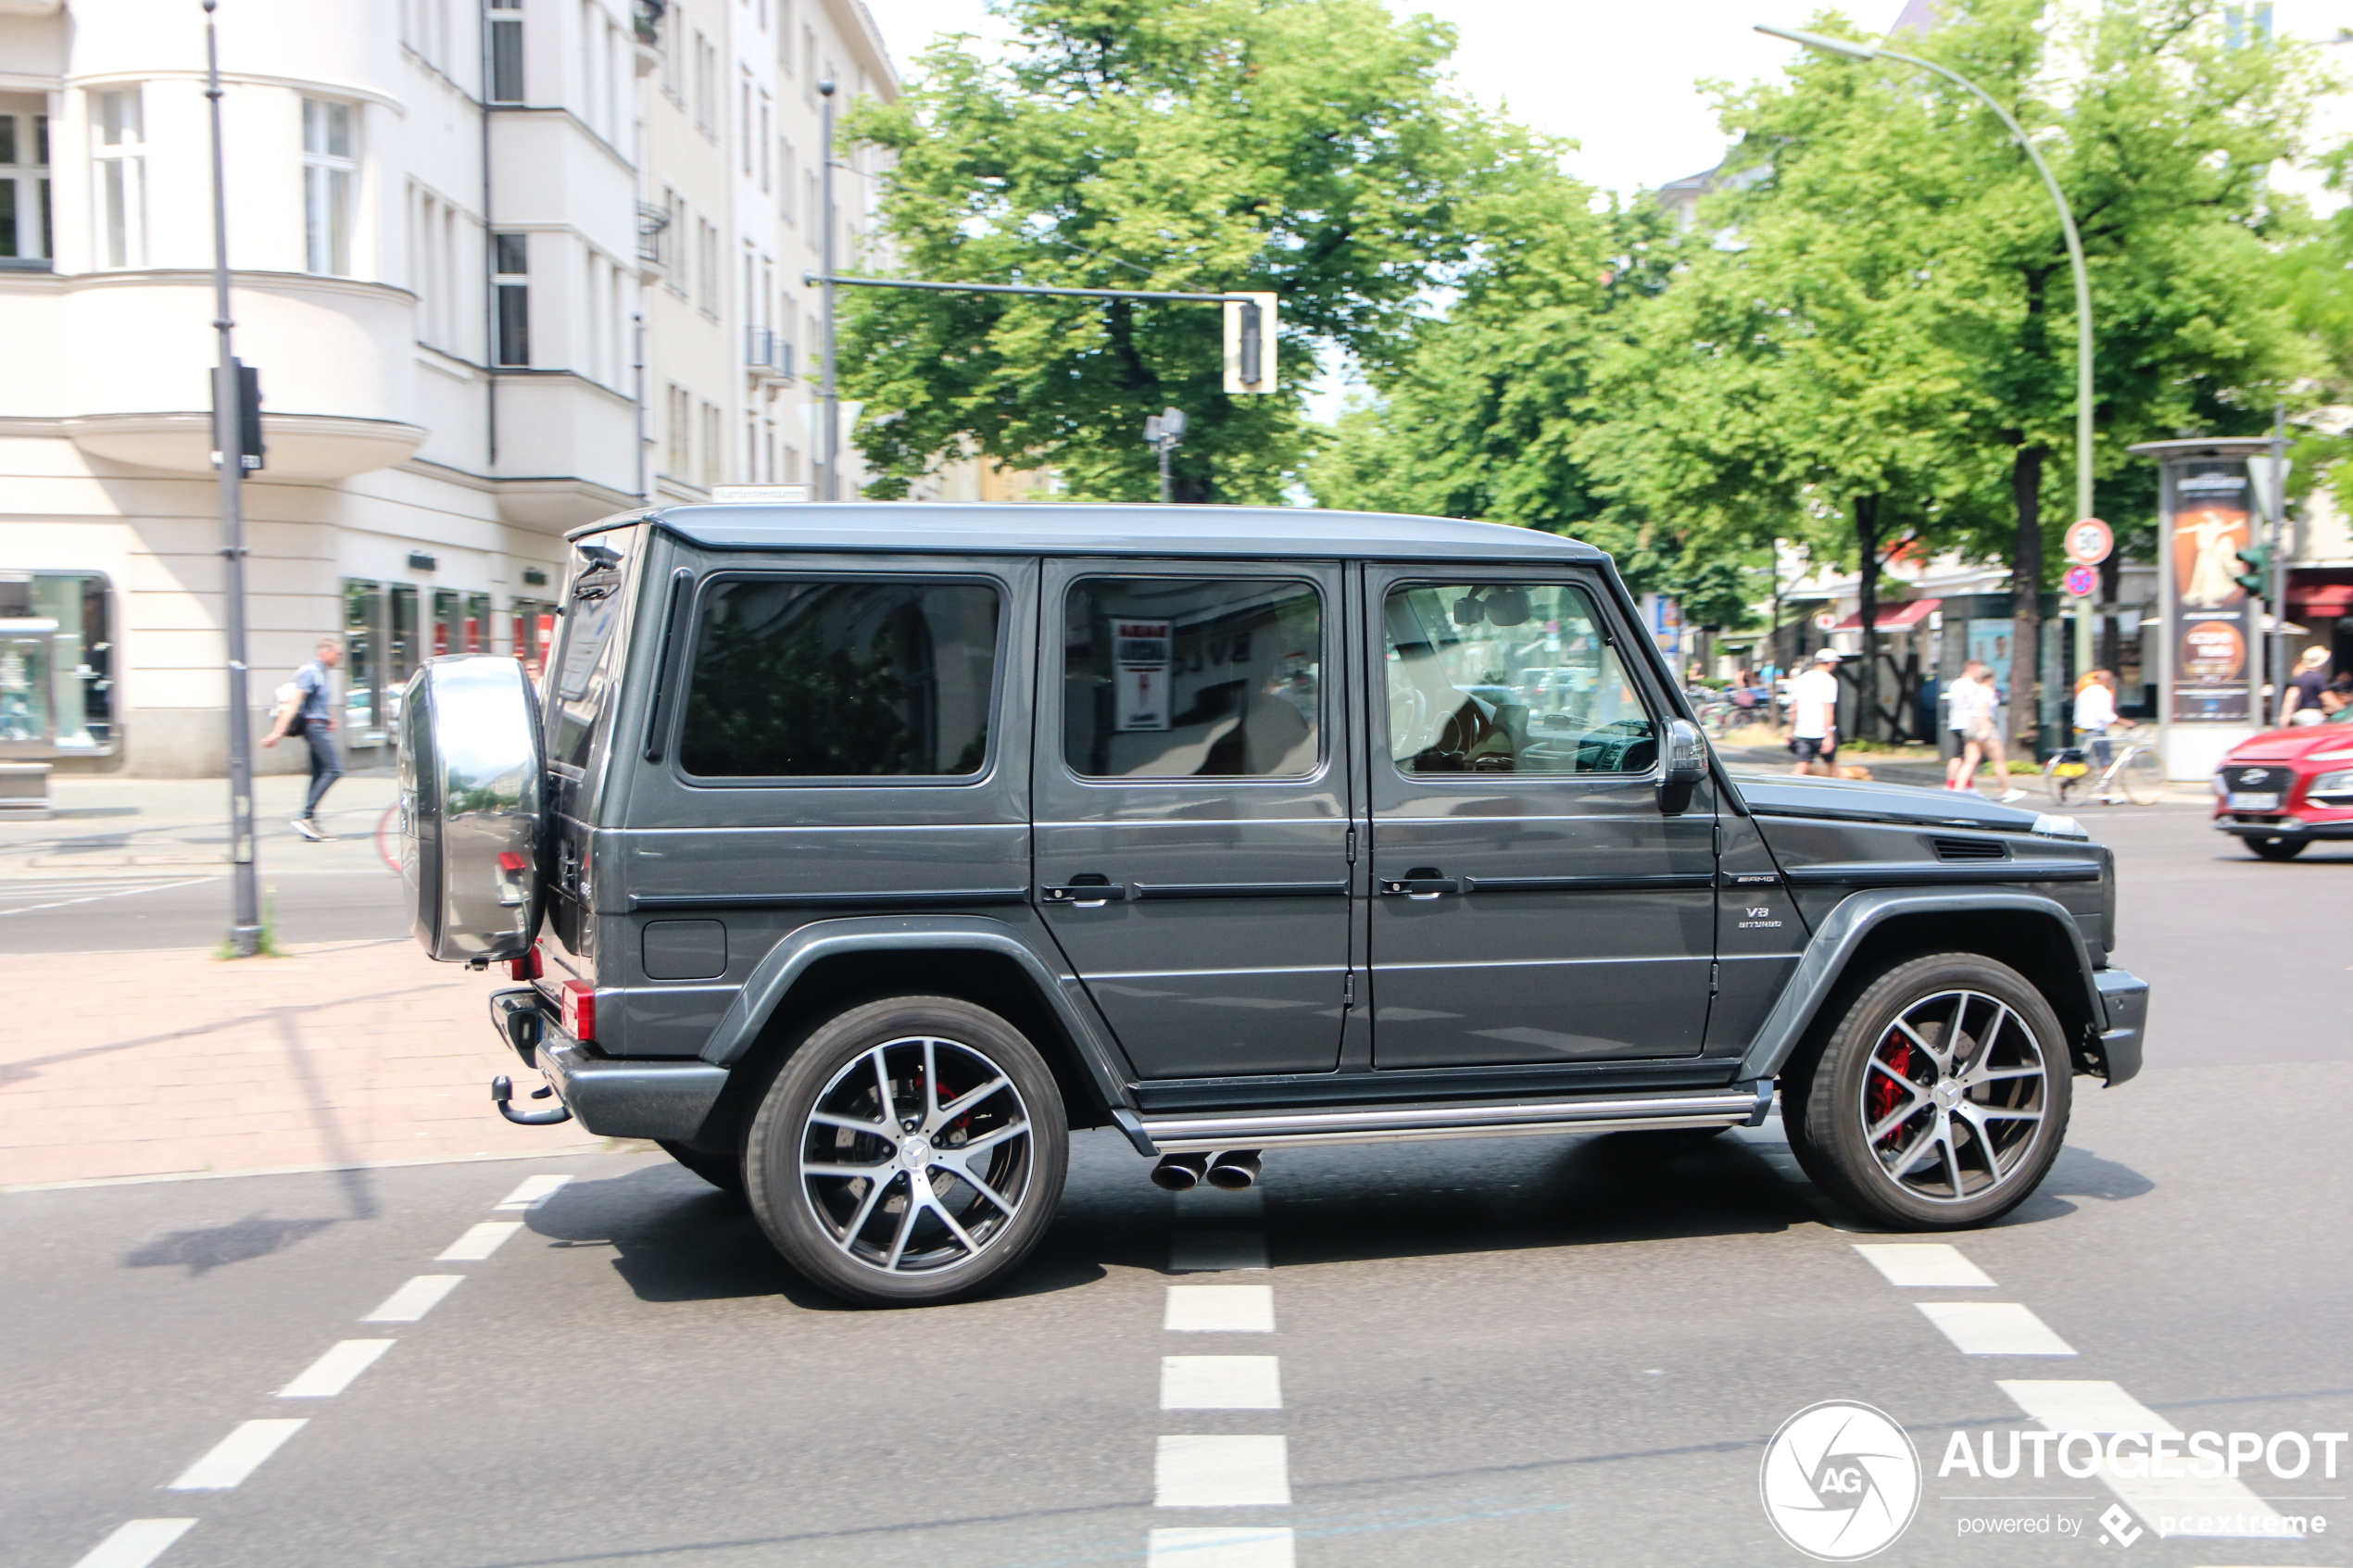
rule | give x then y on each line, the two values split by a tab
312	715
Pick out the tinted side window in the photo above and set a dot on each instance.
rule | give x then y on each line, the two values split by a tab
1502	678
842	679
1192	677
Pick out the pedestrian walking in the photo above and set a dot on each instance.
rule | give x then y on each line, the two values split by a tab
1974	700
1813	729
308	710
2305	701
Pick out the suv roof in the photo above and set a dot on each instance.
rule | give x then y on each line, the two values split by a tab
1060	528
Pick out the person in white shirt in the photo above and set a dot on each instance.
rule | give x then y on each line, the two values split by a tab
2096	712
1813	699
1974	700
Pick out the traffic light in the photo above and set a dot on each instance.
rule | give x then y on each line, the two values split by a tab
1249	343
2257	578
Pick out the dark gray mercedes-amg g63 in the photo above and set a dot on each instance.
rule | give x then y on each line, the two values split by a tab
857	853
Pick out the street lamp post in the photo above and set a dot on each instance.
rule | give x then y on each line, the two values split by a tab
1848	49
1164	432
829	412
244	924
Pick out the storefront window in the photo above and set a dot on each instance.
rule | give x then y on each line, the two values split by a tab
477	623
69	679
401	640
365	711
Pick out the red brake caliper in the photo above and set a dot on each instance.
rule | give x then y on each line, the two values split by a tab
1882	1097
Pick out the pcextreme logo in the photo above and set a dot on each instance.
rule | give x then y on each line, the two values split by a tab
1841	1481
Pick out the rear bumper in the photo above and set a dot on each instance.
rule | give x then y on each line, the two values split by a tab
2126	999
611	1098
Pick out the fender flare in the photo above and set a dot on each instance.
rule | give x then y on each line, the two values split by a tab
773	978
1843	931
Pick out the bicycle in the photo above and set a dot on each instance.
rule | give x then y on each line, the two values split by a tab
2074	773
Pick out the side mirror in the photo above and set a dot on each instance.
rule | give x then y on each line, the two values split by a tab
1683	762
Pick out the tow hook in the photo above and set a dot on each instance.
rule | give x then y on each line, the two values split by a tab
502	1094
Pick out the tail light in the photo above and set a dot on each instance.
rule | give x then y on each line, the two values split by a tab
580	1010
528	967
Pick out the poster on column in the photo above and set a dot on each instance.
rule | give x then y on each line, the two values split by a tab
2211	619
1142	658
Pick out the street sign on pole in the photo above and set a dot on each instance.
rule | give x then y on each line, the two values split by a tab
2081	581
2089	542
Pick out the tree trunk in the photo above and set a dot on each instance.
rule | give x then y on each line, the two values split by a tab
2026	596
1867	591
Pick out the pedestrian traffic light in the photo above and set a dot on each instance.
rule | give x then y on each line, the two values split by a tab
1249	343
2257	578
249	416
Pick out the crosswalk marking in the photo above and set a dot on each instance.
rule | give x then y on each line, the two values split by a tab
1220	1308
2172	1506
237	1456
1220	1547
1221	1383
1994	1329
135	1543
1936	1265
1205	1472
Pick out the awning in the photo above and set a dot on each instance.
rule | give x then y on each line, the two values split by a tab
2321	598
1894	617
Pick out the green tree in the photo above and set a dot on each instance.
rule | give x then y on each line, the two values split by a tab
1306	147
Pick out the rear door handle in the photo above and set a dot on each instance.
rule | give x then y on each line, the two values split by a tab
1422	881
1088	890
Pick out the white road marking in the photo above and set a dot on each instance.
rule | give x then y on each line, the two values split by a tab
535	1191
237	1456
1228	1547
2183	1505
480	1241
1221	1383
1220	1308
332	1373
1935	1264
136	1542
95	897
1192	1471
1216	1251
414	1299
1994	1329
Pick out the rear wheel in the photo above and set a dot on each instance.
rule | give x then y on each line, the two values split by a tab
2278	848
910	1152
1941	1098
2143	778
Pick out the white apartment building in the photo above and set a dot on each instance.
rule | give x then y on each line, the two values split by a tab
504	267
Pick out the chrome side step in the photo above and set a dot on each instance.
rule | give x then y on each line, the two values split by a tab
1743	1105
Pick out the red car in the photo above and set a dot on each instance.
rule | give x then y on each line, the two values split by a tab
2287	788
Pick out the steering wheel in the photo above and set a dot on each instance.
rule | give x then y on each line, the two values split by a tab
1408	719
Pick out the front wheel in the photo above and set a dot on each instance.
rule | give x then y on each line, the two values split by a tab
1941	1097
2143	778
2277	848
910	1152
2063	777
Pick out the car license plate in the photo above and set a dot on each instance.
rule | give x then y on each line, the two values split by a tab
2241	801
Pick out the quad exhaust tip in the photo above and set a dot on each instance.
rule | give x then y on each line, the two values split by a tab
1235	1170
1180	1173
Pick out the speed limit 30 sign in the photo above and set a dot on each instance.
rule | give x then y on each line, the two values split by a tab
2089	542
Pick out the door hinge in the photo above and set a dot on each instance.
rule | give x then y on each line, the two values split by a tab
1348	993
1712	970
1351	847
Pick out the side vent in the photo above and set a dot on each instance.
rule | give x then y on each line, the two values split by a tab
1969	848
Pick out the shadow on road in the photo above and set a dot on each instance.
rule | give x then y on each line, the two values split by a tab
241	1241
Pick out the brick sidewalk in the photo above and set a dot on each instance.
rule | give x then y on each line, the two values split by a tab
132	1064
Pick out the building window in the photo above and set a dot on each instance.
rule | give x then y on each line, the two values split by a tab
506	53
24	188
765	116
57	661
678	424
706	283
783	35
705	82
400	638
669	25
511	265
118	145
743	118
329	171
713	444
535	628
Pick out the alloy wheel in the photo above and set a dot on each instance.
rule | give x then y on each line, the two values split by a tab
917	1156
1953	1096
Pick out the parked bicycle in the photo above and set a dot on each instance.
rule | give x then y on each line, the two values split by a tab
2131	772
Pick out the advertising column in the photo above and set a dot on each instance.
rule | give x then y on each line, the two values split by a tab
2207	624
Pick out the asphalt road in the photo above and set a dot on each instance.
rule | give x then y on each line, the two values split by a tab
1531	1350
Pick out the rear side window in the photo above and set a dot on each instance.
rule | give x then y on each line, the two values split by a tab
797	679
1192	677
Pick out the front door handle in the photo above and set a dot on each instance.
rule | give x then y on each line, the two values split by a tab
1422	881
1088	890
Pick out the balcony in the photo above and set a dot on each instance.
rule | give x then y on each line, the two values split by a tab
767	353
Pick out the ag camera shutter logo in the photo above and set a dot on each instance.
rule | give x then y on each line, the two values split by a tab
1841	1481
